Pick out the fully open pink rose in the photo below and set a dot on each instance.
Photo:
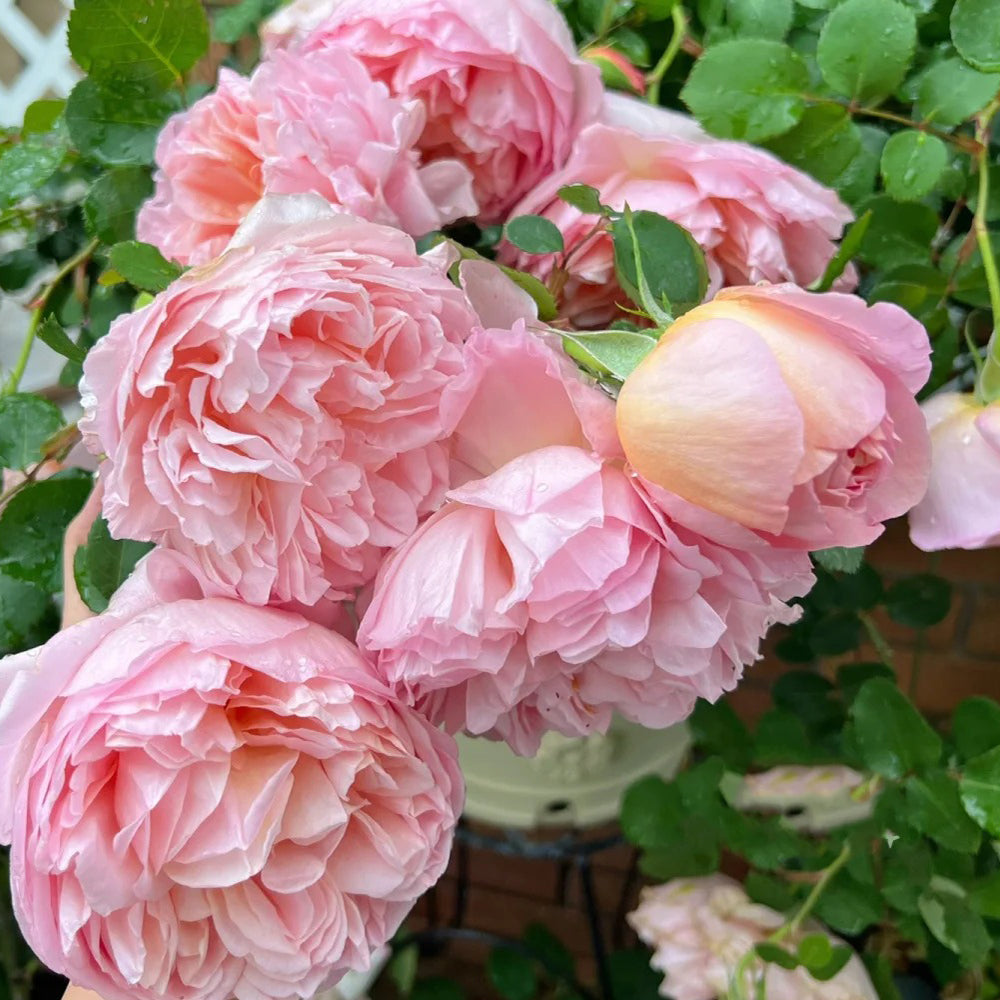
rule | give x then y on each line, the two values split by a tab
210	800
757	218
788	412
504	89
276	413
961	508
549	591
302	123
700	928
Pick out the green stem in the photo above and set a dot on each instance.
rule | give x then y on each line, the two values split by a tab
878	640
792	925
17	373
988	383
655	78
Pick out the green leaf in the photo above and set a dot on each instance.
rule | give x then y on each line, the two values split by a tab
956	925
839	559
975	726
975	30
656	10
24	168
899	233
984	896
113	200
437	988
760	18
934	807
857	182
881	974
609	352
512	975
919	601
672	262
117	122
534	234
776	955
32	526
51	334
851	677
152	42
717	729
849	247
980	790
823	144
143	266
22	607
402	969
549	950
815	951
892	736
583	197
41	116
849	906
781	738
769	890
834	634
650	810
747	89
866	46
912	162
109	562
951	92
839	957
26	423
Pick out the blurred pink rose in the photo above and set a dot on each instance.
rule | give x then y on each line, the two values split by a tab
211	800
700	928
275	414
302	123
740	409
504	88
961	509
549	591
756	218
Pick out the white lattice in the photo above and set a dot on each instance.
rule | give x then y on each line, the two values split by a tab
34	60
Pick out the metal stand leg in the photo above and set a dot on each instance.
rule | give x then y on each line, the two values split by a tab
596	934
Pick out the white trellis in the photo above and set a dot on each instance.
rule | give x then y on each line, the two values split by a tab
34	62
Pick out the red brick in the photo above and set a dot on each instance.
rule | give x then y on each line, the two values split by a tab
983	636
946	678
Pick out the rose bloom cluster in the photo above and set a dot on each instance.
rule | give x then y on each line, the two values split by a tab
388	507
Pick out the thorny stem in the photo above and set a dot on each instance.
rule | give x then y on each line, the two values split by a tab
988	383
963	142
655	78
791	926
17	373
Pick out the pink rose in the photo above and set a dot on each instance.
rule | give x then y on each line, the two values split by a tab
740	409
549	591
504	89
960	510
301	123
700	928
756	218
210	800
276	413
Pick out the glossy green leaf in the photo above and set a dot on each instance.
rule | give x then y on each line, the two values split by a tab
54	336
152	42
823	143
32	526
760	18
117	122
109	562
919	601
912	163
866	46
953	921
113	200
840	560
951	91
747	89
934	807
980	790
892	736
650	810
975	30
26	423
42	115
849	906
23	607
534	234
899	232
609	353
143	266
975	726
24	168
582	196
